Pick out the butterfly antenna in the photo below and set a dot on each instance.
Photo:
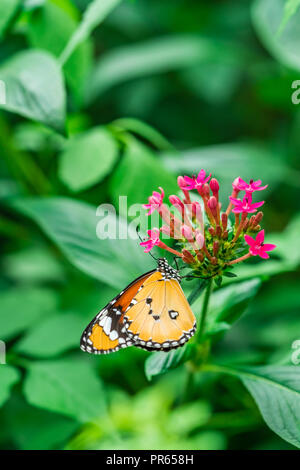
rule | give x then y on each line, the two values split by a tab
138	234
176	263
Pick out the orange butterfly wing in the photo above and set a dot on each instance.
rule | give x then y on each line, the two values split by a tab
161	317
106	332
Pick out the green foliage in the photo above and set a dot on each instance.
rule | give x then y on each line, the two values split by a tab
160	362
9	376
156	56
87	158
7	10
36	88
67	387
290	8
72	225
59	20
21	307
139	162
94	14
105	99
276	391
245	158
269	17
35	342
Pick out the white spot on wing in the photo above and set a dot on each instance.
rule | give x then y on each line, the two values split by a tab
107	326
113	335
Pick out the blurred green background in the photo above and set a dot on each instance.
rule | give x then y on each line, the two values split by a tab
118	101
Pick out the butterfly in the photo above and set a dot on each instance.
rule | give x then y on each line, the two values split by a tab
151	313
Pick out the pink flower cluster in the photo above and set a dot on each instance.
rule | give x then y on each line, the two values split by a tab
208	241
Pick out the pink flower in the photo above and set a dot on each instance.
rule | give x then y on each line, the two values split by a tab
245	206
155	201
235	184
195	183
153	240
251	187
257	246
181	182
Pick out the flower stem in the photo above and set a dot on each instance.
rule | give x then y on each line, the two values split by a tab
201	351
204	309
238	260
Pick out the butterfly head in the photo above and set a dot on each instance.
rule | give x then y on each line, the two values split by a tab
167	271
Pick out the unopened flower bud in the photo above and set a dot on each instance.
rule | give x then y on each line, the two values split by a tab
214	260
199	239
216	247
212	203
251	220
196	209
258	218
176	201
200	256
211	231
214	186
224	219
187	257
218	231
206	190
187	232
246	225
225	235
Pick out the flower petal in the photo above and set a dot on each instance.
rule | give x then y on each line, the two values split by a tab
260	237
249	240
269	247
255	205
263	254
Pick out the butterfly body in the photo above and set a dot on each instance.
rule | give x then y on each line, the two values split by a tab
151	313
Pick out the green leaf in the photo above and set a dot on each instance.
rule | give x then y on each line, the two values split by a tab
72	226
69	387
8	8
229	303
35	264
96	12
276	391
53	336
160	362
8	377
35	88
229	274
157	55
189	417
281	43
197	291
22	307
139	164
216	328
59	20
87	158
32	428
287	242
290	8
144	130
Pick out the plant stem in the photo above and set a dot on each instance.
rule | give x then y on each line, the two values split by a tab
203	349
204	309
